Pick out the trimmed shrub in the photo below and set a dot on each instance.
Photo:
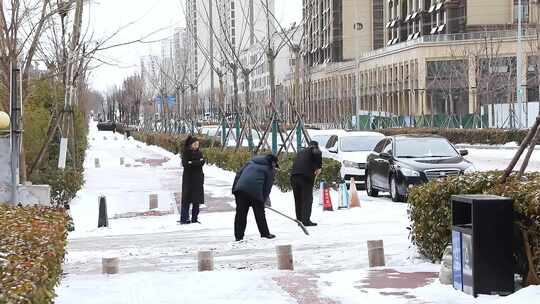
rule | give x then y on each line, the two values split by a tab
466	136
44	100
431	214
232	160
32	249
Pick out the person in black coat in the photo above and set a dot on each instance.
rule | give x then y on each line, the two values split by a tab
192	181
306	167
251	188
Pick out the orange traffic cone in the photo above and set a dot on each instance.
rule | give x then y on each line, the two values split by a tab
327	204
355	200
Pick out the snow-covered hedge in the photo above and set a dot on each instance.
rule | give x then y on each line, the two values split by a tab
232	160
466	136
431	211
32	248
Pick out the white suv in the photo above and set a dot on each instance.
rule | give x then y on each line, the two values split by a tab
322	137
352	150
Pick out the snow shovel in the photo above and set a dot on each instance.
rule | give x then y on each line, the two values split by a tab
290	218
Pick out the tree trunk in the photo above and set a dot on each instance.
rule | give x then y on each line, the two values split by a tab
50	135
522	148
532	145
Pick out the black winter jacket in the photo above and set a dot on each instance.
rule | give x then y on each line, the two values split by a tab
307	162
255	179
192	177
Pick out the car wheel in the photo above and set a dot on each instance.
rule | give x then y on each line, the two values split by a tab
396	197
369	187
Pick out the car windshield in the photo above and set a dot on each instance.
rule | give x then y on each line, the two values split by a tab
424	147
359	143
321	139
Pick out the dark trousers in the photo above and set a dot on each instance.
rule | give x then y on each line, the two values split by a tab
184	214
243	202
303	197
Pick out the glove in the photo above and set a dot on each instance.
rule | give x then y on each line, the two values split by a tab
268	203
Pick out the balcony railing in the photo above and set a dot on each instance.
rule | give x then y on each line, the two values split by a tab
489	35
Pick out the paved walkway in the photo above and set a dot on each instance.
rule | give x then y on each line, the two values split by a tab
157	244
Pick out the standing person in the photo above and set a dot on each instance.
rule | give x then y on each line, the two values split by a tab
192	181
306	167
251	188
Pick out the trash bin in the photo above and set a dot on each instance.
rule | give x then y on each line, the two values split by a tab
482	261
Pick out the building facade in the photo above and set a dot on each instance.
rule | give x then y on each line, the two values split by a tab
444	58
341	30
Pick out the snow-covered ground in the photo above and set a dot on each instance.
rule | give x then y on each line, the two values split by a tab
158	256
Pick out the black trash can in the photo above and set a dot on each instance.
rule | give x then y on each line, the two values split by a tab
482	244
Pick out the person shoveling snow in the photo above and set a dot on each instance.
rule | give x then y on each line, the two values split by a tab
251	188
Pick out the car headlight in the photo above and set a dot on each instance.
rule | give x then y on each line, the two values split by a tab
409	172
470	169
349	164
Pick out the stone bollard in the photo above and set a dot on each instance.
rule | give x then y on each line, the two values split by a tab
103	219
153	201
205	260
110	265
376	253
285	257
96	163
121	161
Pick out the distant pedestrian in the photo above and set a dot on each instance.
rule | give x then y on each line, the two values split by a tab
251	188
192	180
306	167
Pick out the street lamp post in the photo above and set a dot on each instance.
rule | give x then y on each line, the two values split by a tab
519	56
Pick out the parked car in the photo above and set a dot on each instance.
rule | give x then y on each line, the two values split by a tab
322	137
352	150
402	161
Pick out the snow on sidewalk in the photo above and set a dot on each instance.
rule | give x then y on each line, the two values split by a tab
158	256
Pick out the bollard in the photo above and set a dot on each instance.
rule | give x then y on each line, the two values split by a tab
121	161
153	201
110	265
178	201
103	219
285	257
376	253
96	163
205	260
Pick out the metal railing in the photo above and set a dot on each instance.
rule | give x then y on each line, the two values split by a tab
489	35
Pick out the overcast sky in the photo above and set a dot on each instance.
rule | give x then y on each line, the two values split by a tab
138	18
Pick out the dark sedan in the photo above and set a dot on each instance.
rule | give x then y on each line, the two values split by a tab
400	162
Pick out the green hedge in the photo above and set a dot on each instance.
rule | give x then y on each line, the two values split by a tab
466	136
46	98
232	160
32	248
430	210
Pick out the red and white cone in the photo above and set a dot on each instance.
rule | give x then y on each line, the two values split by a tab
327	204
355	199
